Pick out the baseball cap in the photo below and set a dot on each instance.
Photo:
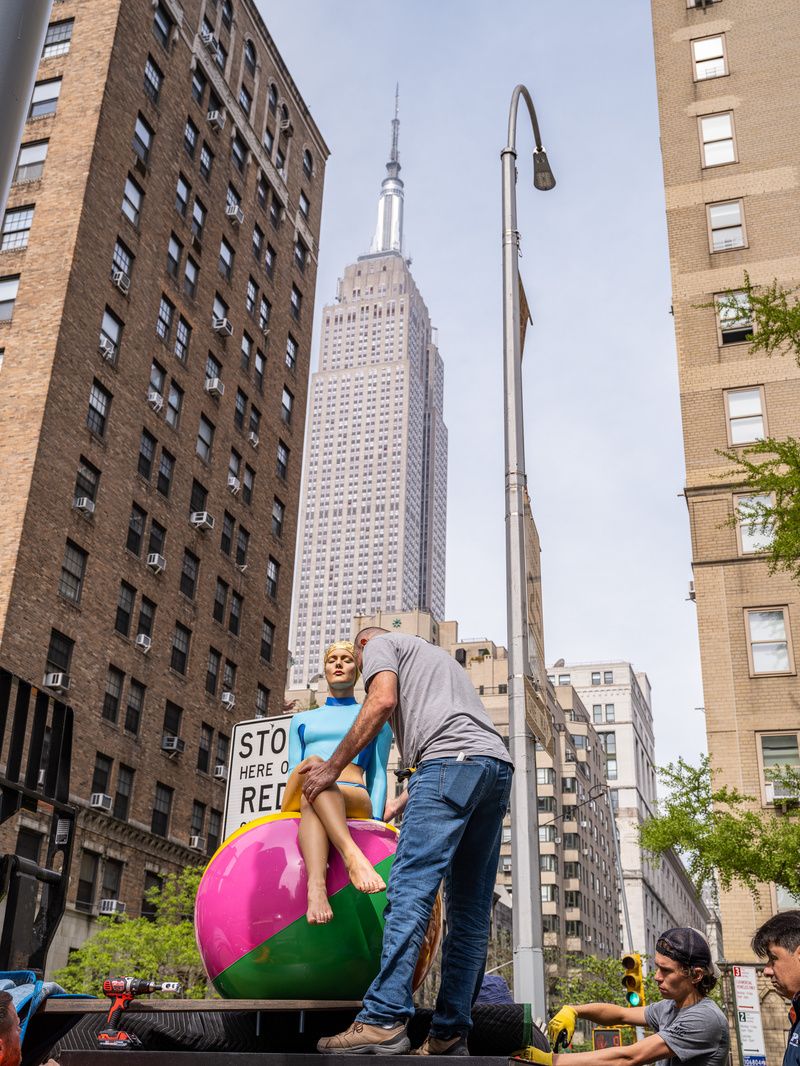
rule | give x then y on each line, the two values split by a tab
686	945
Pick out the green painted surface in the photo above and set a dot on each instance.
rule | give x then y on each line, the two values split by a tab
302	961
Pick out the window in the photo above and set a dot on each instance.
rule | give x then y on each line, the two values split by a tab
245	99
111	328
238	152
745	411
235	616
172	719
122	259
267	639
248	484
158	535
162	25
716	139
174	253
166	309
59	652
87	881
219	310
227	14
768	641
56	42
259	364
240	409
295	303
205	439
251	295
189	572
133	712
44	100
162	807
755	532
708	57
228	681
112	878
174	404
206	161
87	480
595	677
142	139
269	261
180	648
135	529
282	461
226	540
147	617
182	193
152	887
212	679
225	263
610	712
264	310
191	275
255	420
250	56
153	79
246	350
99	405
280	160
147	451
778	751
262	701
29	844
563	679
597	712
122	798
190	134
308	163
608	677
242	544
214	830
198	219
726	226
198	819
199	84
206	737
113	694
220	601
735	317
291	352
198	497
304	204
16	228
8	296
272	99
157	378
300	255
257	242
275	212
125	601
30	162
278	512
166	469
73	569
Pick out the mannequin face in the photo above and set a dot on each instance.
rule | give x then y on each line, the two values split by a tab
340	672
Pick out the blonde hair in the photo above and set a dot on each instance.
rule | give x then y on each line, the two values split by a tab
340	645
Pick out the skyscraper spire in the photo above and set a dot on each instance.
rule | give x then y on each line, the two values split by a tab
389	230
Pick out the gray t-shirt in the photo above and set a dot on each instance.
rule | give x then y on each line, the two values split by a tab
698	1033
438	713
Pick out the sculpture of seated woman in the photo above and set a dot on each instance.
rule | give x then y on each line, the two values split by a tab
359	793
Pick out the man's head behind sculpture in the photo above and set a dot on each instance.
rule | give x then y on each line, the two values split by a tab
362	638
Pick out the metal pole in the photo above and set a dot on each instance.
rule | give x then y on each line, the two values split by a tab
529	975
620	875
23	25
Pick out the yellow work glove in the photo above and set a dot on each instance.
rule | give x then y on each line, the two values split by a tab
562	1026
533	1054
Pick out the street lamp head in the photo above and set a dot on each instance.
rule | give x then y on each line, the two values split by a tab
543	177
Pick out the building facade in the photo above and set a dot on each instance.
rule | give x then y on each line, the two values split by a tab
157	269
374	507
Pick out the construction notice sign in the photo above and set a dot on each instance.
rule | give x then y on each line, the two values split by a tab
748	1016
258	770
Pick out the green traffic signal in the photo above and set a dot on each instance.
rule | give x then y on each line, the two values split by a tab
634	999
633	980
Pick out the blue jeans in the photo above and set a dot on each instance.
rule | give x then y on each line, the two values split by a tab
451	831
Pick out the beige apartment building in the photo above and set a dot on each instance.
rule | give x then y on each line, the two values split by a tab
729	90
157	271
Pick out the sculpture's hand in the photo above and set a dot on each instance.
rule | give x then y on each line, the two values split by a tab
318	777
390	810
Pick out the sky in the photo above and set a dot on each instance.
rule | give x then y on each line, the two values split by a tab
603	439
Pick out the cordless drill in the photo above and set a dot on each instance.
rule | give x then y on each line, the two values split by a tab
121	990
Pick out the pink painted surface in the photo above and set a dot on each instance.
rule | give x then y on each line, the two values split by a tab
255	885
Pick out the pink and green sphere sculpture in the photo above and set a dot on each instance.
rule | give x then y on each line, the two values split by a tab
250	916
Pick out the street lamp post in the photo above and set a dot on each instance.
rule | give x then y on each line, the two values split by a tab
529	980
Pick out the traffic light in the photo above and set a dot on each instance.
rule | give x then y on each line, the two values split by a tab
633	981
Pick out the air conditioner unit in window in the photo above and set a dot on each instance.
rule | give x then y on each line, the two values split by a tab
201	520
143	642
155	399
156	562
99	801
234	484
111	906
253	438
107	349
215	387
83	504
121	280
556	840
220	771
692	596
235	213
172	745
197	843
777	793
584	825
221	325
57	681
210	41
585	851
228	700
265	331
216	119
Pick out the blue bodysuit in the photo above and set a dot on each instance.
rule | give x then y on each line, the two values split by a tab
319	731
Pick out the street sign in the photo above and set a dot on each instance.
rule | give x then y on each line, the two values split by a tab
538	717
748	1016
258	770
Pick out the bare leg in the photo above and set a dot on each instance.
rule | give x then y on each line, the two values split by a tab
331	810
314	846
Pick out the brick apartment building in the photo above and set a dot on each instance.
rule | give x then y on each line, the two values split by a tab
729	89
157	279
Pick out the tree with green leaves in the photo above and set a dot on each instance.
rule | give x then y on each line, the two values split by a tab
161	949
770	468
723	834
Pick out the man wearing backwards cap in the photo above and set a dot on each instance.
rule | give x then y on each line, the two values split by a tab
687	1025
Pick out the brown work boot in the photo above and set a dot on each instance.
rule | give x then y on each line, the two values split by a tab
437	1045
364	1039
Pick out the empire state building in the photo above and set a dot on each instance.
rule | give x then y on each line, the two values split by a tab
373	505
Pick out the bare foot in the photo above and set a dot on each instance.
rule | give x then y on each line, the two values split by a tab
319	909
362	874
